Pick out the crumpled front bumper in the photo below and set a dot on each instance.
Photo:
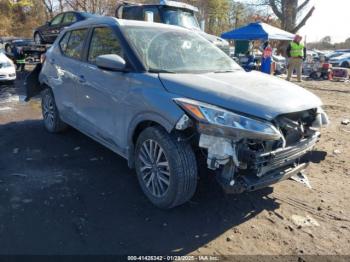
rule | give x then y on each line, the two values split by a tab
252	183
269	168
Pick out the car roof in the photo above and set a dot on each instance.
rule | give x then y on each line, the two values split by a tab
112	21
166	3
344	55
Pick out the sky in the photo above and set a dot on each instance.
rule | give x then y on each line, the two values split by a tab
331	17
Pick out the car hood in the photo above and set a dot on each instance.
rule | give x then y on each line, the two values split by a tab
42	27
253	93
4	58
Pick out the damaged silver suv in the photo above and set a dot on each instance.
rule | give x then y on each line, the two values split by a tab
162	97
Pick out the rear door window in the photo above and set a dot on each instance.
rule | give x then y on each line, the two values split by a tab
69	18
103	41
75	43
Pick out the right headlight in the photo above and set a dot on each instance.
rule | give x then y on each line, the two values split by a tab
236	124
8	64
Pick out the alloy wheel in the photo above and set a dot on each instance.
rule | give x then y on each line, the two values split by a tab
154	168
49	111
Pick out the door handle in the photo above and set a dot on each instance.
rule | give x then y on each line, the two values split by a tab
82	79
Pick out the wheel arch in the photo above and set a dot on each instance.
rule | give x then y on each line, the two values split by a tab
345	64
37	32
139	124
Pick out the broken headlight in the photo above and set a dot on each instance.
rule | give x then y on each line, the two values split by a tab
239	125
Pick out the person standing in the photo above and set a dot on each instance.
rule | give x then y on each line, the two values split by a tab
296	53
266	58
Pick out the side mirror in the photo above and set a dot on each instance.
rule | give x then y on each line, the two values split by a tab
111	62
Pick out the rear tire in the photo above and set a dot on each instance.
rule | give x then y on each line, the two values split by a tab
345	65
166	168
52	120
8	48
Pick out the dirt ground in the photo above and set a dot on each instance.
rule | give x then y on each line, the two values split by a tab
66	194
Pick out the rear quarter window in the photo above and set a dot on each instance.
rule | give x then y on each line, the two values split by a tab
64	41
133	13
75	43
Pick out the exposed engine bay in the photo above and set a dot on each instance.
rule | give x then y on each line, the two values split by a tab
245	164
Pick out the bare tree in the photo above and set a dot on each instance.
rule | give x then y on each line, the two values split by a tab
288	11
49	5
291	14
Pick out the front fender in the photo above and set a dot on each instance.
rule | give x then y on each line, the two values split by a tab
165	114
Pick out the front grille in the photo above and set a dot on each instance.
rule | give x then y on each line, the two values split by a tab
286	156
262	163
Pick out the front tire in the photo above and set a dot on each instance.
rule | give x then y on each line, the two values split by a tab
52	120
166	168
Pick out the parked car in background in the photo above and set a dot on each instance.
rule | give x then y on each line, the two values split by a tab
47	33
342	60
32	51
165	98
18	42
280	63
332	55
7	69
315	55
343	50
171	13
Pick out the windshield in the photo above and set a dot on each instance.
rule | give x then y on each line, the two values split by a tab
180	18
177	51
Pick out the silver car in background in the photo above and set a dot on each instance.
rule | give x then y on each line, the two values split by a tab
7	69
163	98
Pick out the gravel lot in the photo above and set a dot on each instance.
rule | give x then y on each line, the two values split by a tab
66	194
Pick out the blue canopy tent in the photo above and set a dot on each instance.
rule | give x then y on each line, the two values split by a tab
258	31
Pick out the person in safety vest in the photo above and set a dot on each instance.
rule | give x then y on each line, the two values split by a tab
296	53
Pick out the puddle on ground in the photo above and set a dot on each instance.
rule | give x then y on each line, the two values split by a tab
8	96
